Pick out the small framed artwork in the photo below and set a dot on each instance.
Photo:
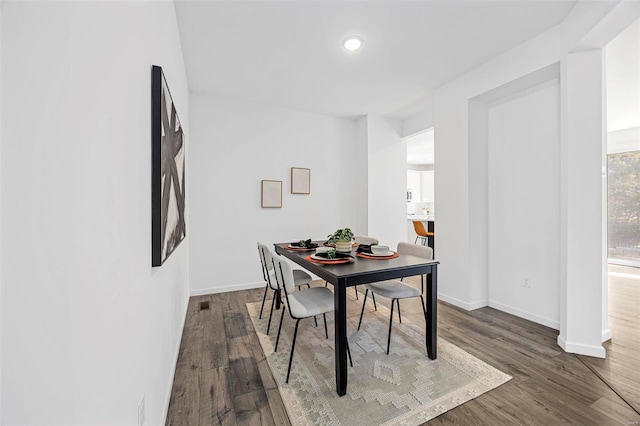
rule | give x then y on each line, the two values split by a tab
271	194
300	180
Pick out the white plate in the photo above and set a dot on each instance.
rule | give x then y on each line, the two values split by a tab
389	253
313	256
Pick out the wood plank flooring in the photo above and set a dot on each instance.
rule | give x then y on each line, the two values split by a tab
621	368
222	376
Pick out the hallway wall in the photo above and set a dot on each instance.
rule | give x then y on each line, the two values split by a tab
89	328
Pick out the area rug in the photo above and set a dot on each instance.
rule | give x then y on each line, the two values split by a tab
402	388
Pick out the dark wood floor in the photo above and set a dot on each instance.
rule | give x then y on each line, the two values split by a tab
222	376
621	368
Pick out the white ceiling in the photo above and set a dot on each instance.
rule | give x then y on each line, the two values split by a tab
289	53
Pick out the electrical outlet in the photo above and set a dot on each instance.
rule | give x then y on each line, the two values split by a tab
527	282
141	412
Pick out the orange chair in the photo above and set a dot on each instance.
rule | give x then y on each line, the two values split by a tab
422	233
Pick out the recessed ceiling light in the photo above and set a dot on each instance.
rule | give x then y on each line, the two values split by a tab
352	42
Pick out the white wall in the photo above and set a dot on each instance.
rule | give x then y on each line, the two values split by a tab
236	144
478	201
623	81
387	183
419	122
0	213
463	277
88	327
581	161
624	140
588	28
361	163
524	209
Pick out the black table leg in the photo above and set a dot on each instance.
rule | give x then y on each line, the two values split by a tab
340	321
431	240
432	312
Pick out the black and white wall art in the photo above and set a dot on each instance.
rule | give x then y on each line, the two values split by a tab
168	171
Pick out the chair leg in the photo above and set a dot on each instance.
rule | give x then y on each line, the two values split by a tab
363	303
264	297
390	324
309	285
355	288
326	333
426	319
399	316
280	328
373	296
293	346
416	240
271	313
349	353
315	320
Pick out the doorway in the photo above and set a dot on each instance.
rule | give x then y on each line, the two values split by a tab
623	147
420	182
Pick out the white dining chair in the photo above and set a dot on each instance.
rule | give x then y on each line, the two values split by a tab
396	289
302	304
300	278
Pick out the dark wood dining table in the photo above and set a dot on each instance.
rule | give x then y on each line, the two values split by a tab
363	271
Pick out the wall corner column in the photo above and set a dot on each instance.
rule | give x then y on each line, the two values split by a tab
478	149
581	239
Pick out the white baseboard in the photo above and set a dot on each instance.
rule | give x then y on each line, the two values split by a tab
461	304
524	314
606	334
227	288
176	353
578	348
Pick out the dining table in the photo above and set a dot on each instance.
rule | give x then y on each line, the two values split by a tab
363	271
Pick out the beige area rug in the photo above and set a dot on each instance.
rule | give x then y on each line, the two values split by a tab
402	388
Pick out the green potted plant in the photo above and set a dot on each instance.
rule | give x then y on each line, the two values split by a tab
342	239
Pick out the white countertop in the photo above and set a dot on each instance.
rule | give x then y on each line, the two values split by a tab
421	217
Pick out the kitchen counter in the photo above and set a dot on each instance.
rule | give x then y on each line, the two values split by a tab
421	217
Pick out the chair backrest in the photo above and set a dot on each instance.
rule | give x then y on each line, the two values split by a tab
284	274
363	239
418	226
417	250
261	256
265	258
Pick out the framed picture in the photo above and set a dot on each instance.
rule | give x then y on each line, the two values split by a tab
168	227
300	180
272	194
